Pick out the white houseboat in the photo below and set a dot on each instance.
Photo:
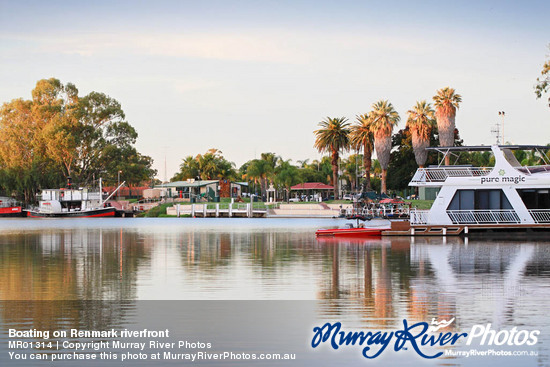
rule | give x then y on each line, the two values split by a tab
506	197
73	202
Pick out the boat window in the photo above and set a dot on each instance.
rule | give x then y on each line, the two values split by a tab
463	200
535	198
479	200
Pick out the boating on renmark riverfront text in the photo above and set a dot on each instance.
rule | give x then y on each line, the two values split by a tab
76	333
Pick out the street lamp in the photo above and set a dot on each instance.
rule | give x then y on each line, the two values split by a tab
502	113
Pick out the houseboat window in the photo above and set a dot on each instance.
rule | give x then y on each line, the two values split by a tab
463	200
479	199
535	198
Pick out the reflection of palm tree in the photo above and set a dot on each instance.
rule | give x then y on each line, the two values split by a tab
332	137
384	118
335	288
446	103
383	302
420	124
361	137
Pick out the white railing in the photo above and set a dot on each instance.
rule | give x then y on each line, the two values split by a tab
534	169
441	174
540	215
483	216
377	212
420	217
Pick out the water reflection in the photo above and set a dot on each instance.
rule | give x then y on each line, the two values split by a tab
384	279
77	264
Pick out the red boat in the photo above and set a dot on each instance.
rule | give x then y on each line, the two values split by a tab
350	232
8	208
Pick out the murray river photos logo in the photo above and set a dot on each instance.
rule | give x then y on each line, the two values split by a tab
417	337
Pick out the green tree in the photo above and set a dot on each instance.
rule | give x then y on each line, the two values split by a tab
352	168
208	166
543	82
332	137
361	137
189	168
134	167
258	171
213	166
59	133
384	118
287	175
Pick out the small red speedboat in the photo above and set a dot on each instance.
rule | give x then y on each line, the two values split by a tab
350	232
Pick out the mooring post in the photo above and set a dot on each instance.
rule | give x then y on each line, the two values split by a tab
230	211
192	210
217	210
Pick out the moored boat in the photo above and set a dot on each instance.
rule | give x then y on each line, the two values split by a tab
350	232
9	208
72	202
507	197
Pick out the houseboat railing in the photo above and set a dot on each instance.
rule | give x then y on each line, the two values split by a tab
540	215
504	216
440	174
534	169
419	217
380	212
483	216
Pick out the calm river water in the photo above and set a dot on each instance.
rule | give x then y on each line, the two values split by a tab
118	273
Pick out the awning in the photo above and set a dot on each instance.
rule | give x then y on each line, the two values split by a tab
312	186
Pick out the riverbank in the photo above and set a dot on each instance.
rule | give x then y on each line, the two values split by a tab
329	209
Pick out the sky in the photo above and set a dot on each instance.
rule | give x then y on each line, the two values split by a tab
248	77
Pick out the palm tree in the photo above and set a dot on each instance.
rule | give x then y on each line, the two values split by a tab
258	170
420	124
384	118
361	137
446	103
332	137
287	175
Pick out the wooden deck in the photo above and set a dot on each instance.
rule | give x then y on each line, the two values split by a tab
403	228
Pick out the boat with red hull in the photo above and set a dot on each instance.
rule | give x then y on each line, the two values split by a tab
350	232
9	208
73	203
92	213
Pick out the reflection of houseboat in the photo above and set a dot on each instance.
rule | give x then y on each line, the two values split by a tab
70	202
9	207
508	196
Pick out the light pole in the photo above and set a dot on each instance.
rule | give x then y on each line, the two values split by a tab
502	113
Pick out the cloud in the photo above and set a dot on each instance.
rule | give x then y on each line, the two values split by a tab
217	46
297	47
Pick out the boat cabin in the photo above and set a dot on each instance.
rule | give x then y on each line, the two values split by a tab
69	200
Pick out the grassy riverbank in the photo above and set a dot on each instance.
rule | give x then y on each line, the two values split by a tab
420	204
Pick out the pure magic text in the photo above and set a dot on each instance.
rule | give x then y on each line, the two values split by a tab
415	336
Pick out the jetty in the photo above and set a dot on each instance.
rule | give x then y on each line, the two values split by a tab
216	210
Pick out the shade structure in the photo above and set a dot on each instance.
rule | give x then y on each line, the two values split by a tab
312	186
391	201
